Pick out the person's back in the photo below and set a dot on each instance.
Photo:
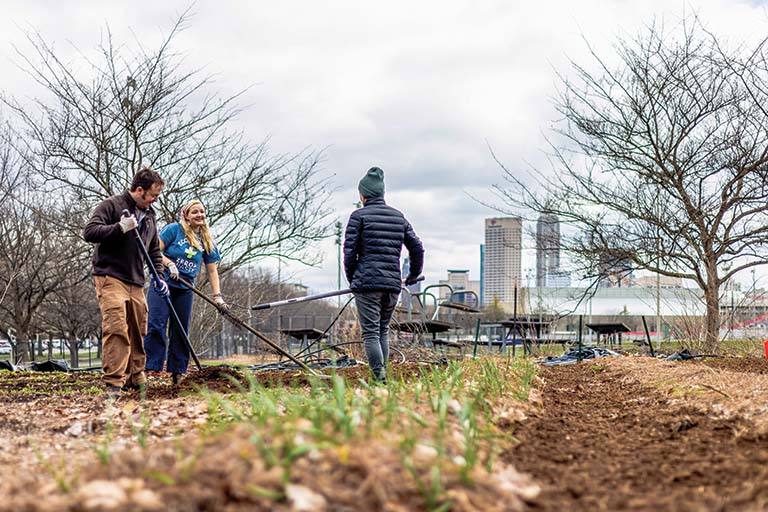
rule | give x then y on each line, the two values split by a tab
373	242
376	234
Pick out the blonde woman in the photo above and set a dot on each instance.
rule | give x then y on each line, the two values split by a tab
186	246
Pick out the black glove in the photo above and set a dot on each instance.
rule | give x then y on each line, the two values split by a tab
411	280
161	287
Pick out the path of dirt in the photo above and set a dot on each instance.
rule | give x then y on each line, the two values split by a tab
613	434
640	434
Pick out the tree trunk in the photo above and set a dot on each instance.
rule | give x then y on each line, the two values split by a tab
22	347
74	355
712	333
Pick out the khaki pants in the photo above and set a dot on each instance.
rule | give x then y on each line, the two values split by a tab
123	325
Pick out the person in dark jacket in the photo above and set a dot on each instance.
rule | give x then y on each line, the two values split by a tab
373	241
118	275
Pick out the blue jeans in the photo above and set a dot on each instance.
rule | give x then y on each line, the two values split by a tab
374	309
155	340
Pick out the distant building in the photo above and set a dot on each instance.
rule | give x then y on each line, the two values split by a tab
405	296
615	272
295	290
482	273
557	280
664	282
547	248
615	301
501	260
459	281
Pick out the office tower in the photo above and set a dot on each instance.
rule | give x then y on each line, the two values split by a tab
405	295
547	248
501	259
482	272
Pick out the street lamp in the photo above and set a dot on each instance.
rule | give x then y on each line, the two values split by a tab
726	269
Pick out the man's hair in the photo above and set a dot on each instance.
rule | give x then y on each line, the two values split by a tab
145	178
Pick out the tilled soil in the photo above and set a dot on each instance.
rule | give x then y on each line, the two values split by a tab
625	433
616	434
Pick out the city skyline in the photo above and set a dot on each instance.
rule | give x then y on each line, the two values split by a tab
547	247
427	103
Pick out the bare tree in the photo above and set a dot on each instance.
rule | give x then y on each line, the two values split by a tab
660	161
37	258
141	106
72	311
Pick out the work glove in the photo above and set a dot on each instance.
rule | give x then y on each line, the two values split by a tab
128	223
173	270
161	287
219	300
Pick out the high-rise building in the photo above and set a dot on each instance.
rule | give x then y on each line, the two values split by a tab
547	248
482	272
501	259
405	295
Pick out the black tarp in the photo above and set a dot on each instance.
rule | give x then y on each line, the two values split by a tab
52	365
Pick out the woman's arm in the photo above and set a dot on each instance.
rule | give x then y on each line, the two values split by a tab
213	276
166	259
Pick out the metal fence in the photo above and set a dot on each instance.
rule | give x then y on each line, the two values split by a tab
88	352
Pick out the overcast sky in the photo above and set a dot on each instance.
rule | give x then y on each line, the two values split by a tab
418	88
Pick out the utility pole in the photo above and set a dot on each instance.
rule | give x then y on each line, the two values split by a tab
733	312
250	312
658	310
726	269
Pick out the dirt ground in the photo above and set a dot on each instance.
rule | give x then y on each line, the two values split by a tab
624	433
636	433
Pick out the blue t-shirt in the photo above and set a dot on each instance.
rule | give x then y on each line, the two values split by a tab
187	258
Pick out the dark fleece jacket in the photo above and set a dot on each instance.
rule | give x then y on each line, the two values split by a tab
117	254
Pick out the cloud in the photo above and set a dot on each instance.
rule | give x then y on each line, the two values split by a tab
418	88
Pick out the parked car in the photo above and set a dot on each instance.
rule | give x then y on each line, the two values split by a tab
5	347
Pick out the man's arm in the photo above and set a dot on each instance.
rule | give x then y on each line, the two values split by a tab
101	225
415	252
351	243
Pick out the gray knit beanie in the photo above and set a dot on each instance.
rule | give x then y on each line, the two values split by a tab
372	184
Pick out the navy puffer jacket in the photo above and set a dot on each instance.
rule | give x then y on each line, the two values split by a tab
373	240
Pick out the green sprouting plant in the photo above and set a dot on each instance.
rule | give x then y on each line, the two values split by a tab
340	413
368	406
142	430
186	463
469	429
261	492
391	403
159	476
61	474
290	454
221	411
432	492
264	446
526	374
102	448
